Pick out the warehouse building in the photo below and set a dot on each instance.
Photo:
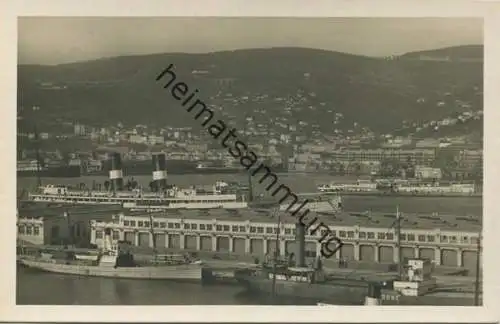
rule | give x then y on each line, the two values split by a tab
445	239
46	224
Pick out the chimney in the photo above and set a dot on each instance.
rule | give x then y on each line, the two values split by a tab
159	172
116	173
301	244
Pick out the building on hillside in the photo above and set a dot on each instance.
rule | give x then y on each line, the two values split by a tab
418	156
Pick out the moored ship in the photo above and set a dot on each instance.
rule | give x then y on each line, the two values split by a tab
55	170
116	262
160	194
384	187
361	186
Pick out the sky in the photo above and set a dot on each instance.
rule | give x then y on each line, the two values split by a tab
55	40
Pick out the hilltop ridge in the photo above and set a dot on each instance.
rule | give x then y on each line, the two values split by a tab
375	93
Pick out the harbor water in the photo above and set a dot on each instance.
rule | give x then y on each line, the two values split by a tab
36	288
41	288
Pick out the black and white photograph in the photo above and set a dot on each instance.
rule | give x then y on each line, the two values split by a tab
300	161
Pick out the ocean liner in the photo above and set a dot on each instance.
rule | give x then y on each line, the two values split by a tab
159	196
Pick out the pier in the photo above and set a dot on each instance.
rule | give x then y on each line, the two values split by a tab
447	240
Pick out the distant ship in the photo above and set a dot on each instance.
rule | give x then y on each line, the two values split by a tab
385	187
175	166
116	262
212	167
217	167
143	167
54	170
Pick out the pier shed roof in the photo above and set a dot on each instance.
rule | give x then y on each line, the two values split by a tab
375	220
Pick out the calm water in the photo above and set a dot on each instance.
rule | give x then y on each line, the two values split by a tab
39	288
45	288
305	183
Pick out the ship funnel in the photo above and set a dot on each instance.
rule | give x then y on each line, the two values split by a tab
374	294
301	244
116	173
159	172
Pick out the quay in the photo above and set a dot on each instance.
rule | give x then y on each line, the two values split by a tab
447	240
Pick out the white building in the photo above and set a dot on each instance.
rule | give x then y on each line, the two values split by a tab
366	237
154	140
138	139
39	224
423	172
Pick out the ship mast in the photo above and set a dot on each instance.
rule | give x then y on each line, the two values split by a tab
151	229
398	241
250	188
478	269
70	228
276	251
37	151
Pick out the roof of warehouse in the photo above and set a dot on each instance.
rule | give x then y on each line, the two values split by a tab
373	219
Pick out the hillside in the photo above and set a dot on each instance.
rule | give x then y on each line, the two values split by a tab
375	93
469	52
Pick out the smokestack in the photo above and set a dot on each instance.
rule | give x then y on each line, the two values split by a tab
374	294
107	239
301	244
116	173
250	188
160	171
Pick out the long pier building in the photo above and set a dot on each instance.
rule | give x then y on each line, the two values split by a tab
448	240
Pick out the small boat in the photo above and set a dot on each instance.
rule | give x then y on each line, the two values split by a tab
117	262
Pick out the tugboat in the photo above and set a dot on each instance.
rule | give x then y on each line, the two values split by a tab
309	283
116	261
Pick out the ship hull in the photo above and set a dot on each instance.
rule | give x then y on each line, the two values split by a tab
400	194
191	272
341	295
180	205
